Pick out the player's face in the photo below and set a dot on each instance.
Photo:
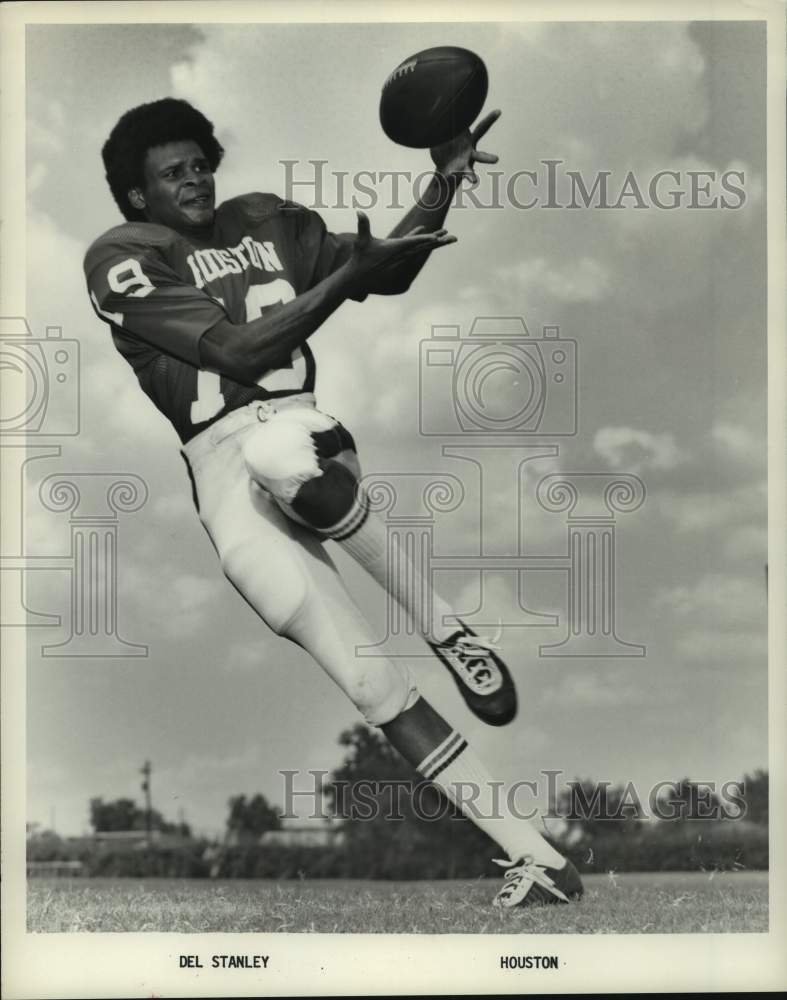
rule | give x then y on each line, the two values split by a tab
179	190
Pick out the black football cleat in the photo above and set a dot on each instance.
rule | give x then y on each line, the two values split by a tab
481	676
529	884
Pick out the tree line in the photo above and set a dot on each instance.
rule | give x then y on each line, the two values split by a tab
604	828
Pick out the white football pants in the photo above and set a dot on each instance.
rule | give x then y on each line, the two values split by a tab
282	570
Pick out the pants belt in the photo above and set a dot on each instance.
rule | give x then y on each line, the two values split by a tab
253	413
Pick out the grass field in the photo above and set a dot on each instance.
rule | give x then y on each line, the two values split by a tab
614	904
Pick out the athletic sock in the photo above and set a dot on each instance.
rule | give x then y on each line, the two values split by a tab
442	755
363	535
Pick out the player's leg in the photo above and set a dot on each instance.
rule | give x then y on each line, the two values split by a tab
536	872
323	619
307	461
283	572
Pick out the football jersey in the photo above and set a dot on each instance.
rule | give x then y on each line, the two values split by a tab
161	291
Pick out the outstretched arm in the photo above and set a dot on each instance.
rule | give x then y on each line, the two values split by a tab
245	351
454	162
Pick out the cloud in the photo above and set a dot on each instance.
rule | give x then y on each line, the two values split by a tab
678	54
738	443
244	657
595	691
713	646
36	177
584	280
636	450
750	541
709	510
726	601
534	33
173	506
651	77
44	132
499	596
180	604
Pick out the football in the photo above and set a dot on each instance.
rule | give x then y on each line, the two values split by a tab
433	96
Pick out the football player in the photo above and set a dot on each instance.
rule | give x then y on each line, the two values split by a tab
213	308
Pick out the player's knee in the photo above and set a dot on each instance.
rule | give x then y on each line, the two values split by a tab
276	602
383	692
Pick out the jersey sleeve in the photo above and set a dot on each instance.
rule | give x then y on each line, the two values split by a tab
320	252
334	249
132	286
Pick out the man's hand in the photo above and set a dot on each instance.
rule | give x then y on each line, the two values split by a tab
455	158
371	255
397	260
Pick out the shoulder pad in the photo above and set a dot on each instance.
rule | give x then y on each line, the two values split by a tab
291	207
131	237
255	206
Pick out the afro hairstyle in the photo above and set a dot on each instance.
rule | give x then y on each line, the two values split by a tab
141	129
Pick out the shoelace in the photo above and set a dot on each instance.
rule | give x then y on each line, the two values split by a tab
473	654
526	869
475	643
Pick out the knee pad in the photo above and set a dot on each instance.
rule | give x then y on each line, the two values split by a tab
281	455
306	461
384	692
323	502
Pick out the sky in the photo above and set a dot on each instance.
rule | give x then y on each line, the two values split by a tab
666	306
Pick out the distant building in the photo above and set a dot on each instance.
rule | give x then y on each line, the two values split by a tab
48	869
130	840
304	835
292	834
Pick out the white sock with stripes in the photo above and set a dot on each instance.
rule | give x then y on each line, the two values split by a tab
467	783
363	535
